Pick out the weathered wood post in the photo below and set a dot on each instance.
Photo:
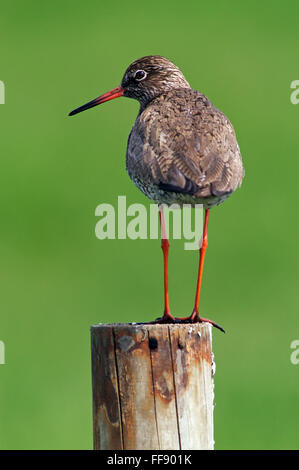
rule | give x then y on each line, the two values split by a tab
152	386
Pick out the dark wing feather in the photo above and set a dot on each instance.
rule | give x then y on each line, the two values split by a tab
187	146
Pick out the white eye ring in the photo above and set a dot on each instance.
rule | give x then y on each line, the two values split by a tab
144	75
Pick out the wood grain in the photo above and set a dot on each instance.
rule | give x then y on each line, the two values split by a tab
152	386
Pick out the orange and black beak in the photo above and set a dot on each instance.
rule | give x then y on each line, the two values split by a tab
110	95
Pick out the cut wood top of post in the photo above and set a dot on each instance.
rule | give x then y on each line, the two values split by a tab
190	333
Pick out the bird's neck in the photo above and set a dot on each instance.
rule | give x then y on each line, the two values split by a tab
148	100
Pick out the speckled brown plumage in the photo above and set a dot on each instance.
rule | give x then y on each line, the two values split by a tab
181	148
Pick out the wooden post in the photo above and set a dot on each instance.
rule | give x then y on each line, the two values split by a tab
152	386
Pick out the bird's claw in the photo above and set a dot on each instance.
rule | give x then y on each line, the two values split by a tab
195	318
167	318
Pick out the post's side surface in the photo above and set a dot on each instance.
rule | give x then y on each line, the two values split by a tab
152	386
107	429
193	376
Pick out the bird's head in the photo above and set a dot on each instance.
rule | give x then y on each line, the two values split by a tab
144	80
151	76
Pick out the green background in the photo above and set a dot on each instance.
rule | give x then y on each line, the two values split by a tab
57	278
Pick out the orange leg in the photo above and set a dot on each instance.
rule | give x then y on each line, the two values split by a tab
194	317
202	252
167	317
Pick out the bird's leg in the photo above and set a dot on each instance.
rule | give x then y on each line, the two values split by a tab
202	252
167	317
194	317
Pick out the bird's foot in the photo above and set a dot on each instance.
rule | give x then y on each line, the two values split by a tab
195	318
167	318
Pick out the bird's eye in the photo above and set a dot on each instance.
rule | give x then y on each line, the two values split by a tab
140	75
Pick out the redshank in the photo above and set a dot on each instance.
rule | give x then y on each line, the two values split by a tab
180	150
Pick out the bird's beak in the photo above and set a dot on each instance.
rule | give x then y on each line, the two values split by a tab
110	95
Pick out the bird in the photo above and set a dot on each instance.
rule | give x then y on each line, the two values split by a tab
181	150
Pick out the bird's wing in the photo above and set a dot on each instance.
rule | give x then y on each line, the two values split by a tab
189	146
